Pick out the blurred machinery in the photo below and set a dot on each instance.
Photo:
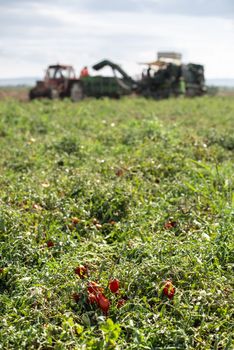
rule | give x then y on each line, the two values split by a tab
163	78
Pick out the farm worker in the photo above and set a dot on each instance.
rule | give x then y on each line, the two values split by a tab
149	72
84	72
182	87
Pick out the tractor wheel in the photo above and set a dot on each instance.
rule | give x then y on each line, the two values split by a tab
31	95
77	92
53	94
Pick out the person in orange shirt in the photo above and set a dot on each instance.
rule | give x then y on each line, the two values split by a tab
84	72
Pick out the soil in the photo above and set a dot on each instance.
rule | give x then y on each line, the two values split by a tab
16	93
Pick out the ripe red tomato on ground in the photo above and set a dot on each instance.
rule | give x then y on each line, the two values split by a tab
119	172
81	271
92	298
50	244
95	288
169	289
103	303
114	285
170	224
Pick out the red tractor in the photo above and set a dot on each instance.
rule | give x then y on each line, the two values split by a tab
60	81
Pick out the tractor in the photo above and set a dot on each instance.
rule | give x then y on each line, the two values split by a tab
60	81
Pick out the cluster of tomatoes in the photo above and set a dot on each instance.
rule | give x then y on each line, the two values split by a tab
96	294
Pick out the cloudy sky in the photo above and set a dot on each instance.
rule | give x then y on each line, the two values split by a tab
36	33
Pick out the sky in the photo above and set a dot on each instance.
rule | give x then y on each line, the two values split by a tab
36	33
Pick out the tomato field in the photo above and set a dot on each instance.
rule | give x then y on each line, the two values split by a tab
116	223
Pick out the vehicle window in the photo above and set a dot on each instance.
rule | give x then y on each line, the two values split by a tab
51	73
59	74
65	73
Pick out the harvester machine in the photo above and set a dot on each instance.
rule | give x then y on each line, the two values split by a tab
166	79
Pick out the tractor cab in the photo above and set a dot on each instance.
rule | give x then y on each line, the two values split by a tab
59	73
58	82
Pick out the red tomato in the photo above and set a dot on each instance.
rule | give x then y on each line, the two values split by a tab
114	285
50	244
119	172
120	303
81	271
103	303
92	298
95	288
170	224
169	289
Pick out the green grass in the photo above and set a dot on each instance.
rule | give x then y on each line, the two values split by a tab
124	169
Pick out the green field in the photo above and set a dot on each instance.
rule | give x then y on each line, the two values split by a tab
137	190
